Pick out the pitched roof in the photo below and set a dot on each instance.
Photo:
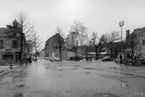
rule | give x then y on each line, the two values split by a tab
56	36
117	45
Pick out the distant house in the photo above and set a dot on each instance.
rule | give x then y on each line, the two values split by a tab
83	51
52	47
72	40
112	49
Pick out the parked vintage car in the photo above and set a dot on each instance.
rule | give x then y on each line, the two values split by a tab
76	58
52	59
142	61
107	58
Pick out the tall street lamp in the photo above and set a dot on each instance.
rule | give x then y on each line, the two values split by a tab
121	24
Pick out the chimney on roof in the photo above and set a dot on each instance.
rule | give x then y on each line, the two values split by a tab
127	33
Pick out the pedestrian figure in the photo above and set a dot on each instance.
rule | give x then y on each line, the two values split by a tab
25	61
10	61
120	59
91	58
29	60
86	58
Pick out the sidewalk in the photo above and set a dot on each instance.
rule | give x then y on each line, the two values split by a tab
128	70
133	71
117	68
6	69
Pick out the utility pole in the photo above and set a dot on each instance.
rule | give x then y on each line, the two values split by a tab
121	24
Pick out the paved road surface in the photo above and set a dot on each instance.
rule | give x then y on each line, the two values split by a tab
70	79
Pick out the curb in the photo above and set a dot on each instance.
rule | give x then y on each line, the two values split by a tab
125	73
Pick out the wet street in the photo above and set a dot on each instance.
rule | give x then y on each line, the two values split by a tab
70	79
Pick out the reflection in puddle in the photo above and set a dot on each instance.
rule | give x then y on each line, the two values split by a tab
60	69
89	68
18	95
123	83
87	72
119	79
20	85
74	68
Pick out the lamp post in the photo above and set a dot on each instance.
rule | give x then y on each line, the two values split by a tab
121	24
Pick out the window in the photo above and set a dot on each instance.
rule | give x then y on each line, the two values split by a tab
143	42
15	44
1	44
140	34
143	34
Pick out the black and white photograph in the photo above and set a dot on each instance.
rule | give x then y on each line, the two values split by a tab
72	48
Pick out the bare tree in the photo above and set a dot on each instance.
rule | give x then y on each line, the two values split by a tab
25	31
81	30
133	44
103	39
60	41
113	36
109	38
95	42
25	25
30	46
36	43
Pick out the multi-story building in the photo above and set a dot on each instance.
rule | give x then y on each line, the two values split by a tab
9	46
140	32
72	40
52	47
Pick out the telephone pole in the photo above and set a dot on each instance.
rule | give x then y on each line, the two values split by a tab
121	24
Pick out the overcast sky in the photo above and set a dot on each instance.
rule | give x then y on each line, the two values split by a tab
101	16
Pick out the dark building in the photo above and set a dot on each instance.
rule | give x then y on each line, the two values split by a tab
10	43
52	47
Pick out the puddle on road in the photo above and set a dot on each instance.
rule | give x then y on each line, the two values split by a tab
74	69
105	95
18	95
60	69
119	79
20	85
87	72
89	68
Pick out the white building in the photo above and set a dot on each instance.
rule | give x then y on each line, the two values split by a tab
72	40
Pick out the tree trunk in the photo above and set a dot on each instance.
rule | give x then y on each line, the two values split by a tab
96	51
35	52
60	52
21	48
86	53
132	53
